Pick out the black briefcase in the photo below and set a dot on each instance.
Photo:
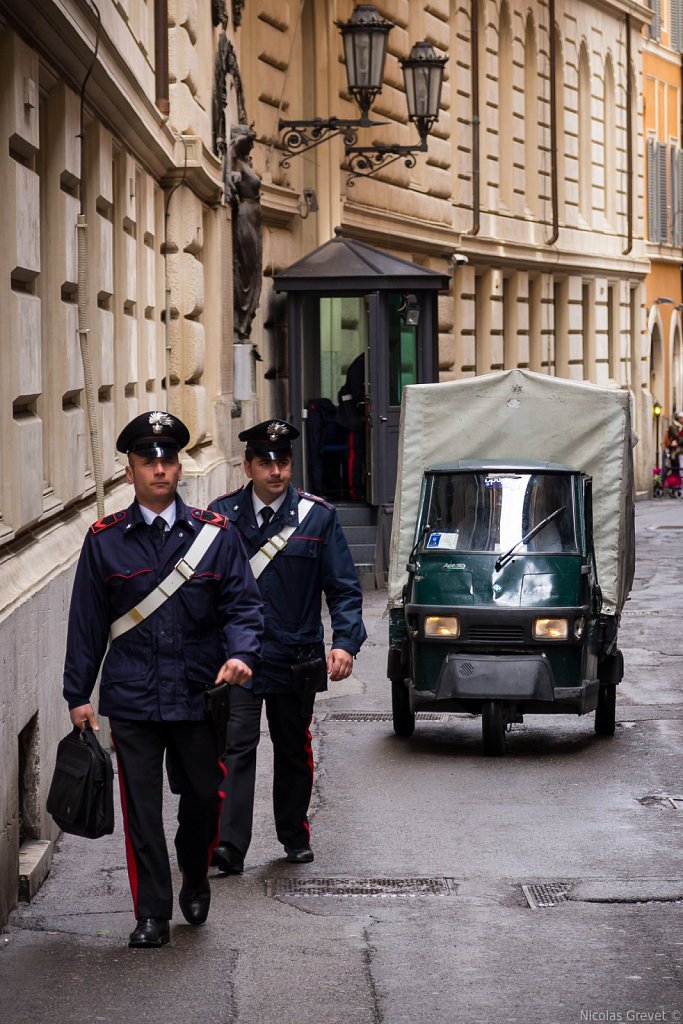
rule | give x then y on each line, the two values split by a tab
81	797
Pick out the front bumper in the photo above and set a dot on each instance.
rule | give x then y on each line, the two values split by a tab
525	681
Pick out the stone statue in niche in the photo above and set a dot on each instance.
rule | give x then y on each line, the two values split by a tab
247	245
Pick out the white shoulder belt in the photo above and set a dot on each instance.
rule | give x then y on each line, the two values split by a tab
278	542
183	571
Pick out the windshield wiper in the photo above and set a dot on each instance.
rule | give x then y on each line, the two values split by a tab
421	536
505	558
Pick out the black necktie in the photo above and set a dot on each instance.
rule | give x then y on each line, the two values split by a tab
159	531
266	516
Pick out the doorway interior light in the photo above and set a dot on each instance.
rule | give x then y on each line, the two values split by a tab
364	39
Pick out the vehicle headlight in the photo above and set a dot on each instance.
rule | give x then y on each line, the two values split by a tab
442	625
551	629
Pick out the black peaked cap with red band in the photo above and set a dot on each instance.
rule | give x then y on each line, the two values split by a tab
153	435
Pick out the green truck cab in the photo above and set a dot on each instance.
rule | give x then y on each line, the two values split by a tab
498	607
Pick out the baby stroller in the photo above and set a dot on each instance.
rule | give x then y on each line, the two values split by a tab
671	475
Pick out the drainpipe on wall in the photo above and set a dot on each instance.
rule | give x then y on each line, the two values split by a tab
553	126
476	176
629	142
83	329
161	56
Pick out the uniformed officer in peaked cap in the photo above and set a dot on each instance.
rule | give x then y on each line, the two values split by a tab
271	439
297	551
154	435
161	641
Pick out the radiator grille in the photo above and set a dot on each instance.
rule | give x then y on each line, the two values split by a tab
497	633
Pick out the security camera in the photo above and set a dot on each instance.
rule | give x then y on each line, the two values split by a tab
458	259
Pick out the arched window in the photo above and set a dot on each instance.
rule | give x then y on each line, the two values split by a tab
610	145
531	132
585	152
505	109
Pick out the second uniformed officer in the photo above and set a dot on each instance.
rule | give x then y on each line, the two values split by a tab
171	588
298	552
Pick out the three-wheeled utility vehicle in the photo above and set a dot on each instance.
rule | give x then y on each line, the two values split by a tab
512	551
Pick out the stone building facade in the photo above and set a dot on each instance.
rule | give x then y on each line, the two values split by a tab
116	125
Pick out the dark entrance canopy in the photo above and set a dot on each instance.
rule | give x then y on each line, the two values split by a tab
344	266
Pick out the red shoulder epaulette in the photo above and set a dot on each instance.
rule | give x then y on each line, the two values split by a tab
313	497
213	518
106	521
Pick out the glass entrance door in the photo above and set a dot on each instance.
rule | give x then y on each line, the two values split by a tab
334	396
357	354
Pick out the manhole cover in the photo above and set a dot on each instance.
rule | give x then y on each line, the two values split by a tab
380	716
547	894
361	887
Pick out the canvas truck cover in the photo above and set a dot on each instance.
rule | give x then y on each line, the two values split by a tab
516	414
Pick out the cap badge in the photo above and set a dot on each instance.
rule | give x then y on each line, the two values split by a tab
159	420
276	430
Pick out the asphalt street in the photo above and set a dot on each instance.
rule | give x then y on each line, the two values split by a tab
540	888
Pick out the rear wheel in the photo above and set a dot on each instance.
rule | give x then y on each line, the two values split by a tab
493	728
404	718
605	713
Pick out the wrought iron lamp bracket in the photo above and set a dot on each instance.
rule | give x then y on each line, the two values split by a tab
364	161
300	136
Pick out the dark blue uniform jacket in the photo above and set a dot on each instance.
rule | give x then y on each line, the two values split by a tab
159	669
316	560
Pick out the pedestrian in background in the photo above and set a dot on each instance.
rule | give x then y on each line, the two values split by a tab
298	552
167	646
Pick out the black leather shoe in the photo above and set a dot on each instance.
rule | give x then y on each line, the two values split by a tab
227	859
149	933
194	900
303	855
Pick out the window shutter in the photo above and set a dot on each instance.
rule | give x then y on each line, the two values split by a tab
676	30
675	194
651	192
654	30
662	193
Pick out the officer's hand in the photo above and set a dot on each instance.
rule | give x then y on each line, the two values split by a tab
84	715
234	672
339	664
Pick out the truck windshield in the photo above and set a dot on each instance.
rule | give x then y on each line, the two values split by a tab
499	511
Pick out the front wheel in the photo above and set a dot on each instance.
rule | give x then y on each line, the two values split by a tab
403	717
493	728
605	713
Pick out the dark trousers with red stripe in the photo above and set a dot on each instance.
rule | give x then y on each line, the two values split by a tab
292	770
196	774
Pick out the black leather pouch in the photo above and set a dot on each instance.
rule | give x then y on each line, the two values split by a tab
217	704
308	677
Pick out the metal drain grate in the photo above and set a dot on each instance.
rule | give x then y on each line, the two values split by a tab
548	894
380	716
361	887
